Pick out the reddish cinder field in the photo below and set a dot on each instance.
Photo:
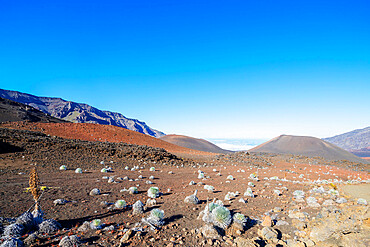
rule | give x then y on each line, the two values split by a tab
172	176
103	133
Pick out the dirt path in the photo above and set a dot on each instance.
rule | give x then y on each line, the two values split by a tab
357	191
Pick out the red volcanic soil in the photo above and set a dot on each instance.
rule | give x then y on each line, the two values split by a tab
181	218
104	133
181	226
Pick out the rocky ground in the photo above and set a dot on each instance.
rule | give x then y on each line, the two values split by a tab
286	200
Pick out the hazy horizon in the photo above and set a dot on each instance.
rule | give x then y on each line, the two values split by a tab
236	144
236	70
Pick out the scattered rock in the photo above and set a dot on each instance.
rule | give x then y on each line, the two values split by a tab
300	225
328	202
296	214
151	202
70	241
109	228
309	243
339	224
268	233
59	202
277	209
243	242
84	227
341	200
267	221
94	192
282	223
295	243
128	234
361	201
31	239
209	231
235	229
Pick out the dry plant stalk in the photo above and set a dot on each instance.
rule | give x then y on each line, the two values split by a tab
34	185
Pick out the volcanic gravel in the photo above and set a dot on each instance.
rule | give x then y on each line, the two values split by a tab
52	151
22	150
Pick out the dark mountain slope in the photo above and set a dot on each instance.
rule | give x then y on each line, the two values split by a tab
11	111
79	113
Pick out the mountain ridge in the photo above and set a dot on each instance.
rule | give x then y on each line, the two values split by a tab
12	111
79	112
353	140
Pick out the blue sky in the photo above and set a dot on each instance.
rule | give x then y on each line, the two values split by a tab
209	69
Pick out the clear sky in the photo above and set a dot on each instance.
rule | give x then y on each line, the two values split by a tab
208	69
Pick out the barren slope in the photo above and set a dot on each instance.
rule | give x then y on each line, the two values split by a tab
307	146
97	132
193	143
352	141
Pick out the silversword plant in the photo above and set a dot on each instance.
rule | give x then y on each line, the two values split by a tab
120	204
156	217
221	217
153	192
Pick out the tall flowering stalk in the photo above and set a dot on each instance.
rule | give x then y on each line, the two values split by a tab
34	183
